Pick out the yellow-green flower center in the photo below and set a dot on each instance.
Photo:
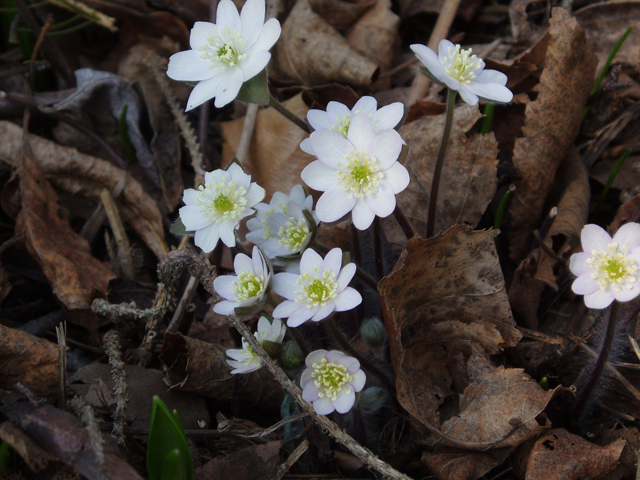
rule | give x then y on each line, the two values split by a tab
221	202
331	376
294	234
343	125
223	48
248	285
359	174
460	64
316	289
613	268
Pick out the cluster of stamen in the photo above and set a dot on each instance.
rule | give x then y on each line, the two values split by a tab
331	376
316	290
613	268
359	174
221	202
344	123
293	235
248	285
460	64
223	48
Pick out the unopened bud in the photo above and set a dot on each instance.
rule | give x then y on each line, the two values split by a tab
373	333
371	400
291	355
272	348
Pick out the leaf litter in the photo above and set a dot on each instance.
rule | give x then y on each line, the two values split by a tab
486	344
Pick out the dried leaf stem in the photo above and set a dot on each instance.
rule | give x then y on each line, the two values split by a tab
435	184
247	132
286	113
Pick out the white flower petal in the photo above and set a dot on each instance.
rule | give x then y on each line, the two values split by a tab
323	312
254	64
429	58
358	380
252	18
345	276
227	234
366	104
319	119
310	392
361	133
189	196
227	16
383	202
318	176
491	91
284	285
306	377
301	315
466	94
334	204
232	80
188	66
268	37
347	299
192	218
285	309
386	148
352	364
204	91
310	261
224	286
330	147
398	177
225	307
599	299
332	262
628	235
323	406
345	400
207	238
361	215
388	116
255	194
595	238
337	111
306	147
200	34
315	357
242	263
579	263
443	49
584	285
627	294
491	76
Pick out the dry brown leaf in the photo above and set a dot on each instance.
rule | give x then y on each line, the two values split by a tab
341	14
604	24
522	28
76	277
451	287
5	284
258	462
28	359
86	176
551	125
456	464
417	8
564	456
36	457
312	52
469	178
275	159
200	367
498	409
537	270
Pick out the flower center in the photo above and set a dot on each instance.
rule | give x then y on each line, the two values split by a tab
331	376
294	234
248	285
221	202
316	290
613	268
343	125
460	64
359	174
223	48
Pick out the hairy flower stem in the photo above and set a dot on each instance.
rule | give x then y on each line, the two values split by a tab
613	324
377	247
435	184
360	452
366	364
288	114
404	223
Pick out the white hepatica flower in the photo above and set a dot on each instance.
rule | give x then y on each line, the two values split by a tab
338	117
260	231
459	70
245	360
214	211
248	288
608	269
226	54
331	381
320	289
359	173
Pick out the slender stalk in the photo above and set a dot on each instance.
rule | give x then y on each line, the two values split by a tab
299	339
403	222
344	343
377	247
435	184
288	114
612	177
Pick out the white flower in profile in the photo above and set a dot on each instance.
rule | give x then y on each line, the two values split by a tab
259	229
331	381
248	288
338	117
608	269
459	70
320	289
359	174
293	232
226	54
214	211
245	360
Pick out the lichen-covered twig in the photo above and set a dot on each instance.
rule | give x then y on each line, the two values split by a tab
85	412
112	348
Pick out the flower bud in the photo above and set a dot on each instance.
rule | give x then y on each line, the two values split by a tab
272	348
373	332
371	400
291	355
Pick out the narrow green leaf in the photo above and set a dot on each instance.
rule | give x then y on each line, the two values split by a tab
124	134
174	466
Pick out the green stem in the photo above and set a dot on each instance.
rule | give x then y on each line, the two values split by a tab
488	118
435	184
497	223
607	64
288	114
612	177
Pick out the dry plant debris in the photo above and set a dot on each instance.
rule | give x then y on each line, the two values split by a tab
476	351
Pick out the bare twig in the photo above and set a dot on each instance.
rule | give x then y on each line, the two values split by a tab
293	458
112	347
125	263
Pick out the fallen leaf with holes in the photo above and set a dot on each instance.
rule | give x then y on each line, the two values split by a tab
551	125
76	276
469	178
536	271
86	176
28	359
457	464
564	456
311	52
258	462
